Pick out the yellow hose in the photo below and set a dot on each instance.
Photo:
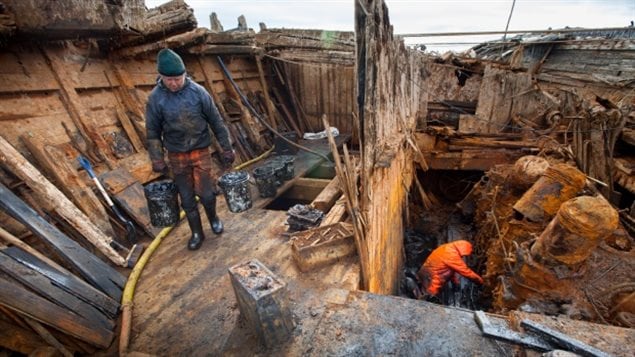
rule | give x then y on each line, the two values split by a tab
128	291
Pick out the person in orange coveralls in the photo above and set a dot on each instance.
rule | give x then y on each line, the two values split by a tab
444	263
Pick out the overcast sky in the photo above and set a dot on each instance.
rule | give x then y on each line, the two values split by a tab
420	16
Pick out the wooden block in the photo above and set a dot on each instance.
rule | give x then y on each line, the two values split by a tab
329	195
262	300
317	247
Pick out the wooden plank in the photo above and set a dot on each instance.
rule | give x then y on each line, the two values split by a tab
481	160
336	213
21	300
55	345
98	148
329	195
44	287
67	281
208	72
128	194
36	82
252	125
94	270
19	339
265	91
20	167
56	166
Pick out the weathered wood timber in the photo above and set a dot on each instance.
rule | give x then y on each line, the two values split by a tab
69	19
94	270
45	288
64	279
307	39
128	194
19	299
55	164
13	160
171	18
327	197
19	339
187	39
385	70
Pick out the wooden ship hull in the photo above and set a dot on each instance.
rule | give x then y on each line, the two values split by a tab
429	149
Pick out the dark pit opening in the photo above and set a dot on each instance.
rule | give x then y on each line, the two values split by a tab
446	221
303	191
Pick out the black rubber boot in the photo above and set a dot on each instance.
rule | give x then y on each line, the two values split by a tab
194	220
214	221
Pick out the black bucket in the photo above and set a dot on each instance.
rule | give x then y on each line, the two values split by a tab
163	203
289	170
278	170
235	190
265	181
282	147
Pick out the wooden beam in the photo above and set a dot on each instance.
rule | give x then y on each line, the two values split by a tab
336	213
56	166
65	280
44	287
21	300
20	167
265	91
206	68
130	99
329	195
98	147
94	270
252	126
19	339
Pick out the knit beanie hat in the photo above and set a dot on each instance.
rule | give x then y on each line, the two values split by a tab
169	63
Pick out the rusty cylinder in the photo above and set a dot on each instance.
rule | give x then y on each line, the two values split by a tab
527	170
575	231
559	183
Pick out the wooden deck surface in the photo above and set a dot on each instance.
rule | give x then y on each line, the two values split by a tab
184	302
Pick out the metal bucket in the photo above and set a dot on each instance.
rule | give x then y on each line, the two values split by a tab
236	190
289	169
163	203
265	181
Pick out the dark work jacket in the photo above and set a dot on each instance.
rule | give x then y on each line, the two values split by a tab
180	121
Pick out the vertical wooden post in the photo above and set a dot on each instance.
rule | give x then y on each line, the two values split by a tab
265	92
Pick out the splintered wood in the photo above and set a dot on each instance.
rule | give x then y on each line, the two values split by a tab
321	246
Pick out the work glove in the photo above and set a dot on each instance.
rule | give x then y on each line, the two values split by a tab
159	166
479	280
228	158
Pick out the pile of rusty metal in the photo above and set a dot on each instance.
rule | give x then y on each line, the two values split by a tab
550	240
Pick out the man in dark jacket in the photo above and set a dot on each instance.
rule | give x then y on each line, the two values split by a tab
179	114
